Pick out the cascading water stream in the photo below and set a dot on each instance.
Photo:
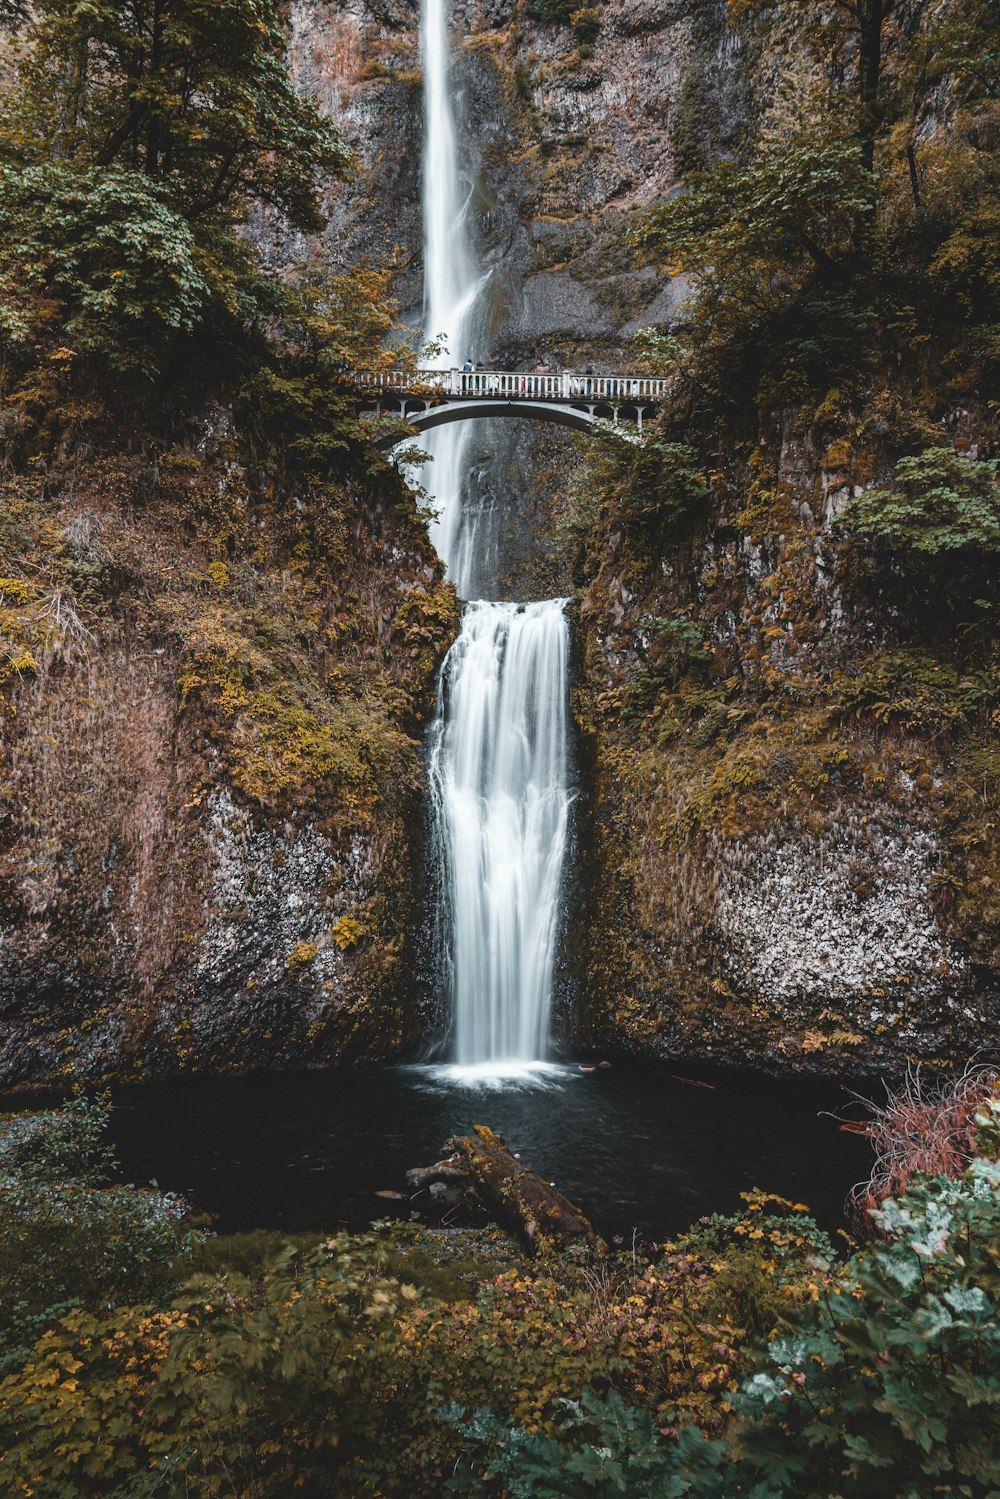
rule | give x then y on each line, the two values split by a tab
499	777
451	286
501	803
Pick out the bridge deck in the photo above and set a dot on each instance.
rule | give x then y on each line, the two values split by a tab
445	385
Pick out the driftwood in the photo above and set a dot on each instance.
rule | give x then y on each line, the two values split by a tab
480	1169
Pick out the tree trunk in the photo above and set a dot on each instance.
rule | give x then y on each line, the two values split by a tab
872	15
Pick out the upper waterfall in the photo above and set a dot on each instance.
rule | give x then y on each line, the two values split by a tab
451	286
450	276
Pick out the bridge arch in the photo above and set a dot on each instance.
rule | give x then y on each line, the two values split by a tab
429	398
580	417
463	411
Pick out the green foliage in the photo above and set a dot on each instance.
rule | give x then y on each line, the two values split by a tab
768	1258
616	1453
107	253
899	1374
664	484
916	693
940	503
192	94
673	647
68	1239
67	1142
553	12
243	1386
134	143
768	243
325	1366
795	204
839	233
886	1385
662	351
301	398
342	1368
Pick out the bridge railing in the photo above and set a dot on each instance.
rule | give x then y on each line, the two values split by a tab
473	384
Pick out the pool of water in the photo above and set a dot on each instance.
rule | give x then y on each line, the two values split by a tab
642	1150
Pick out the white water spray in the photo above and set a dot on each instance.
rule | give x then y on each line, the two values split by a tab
498	779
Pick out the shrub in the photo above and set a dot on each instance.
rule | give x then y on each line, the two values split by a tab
67	1239
662	484
923	1128
64	1143
244	1386
940	503
618	1453
889	1385
586	24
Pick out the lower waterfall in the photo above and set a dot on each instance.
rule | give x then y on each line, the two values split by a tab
501	798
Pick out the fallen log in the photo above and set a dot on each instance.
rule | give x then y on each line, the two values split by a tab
510	1192
444	1171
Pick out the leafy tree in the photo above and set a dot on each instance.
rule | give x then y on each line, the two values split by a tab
862	31
134	145
106	256
796	202
769	244
301	399
188	92
855	220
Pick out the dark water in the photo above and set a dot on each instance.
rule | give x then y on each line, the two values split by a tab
635	1149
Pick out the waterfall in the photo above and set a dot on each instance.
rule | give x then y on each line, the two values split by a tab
451	286
501	803
499	754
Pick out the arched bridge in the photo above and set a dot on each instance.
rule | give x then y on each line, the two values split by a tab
435	397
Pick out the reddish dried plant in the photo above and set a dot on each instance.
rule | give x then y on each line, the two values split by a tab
924	1127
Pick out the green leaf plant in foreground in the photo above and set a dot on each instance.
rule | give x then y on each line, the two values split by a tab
885	1388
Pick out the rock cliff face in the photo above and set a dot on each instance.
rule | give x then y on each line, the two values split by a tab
562	141
210	843
793	861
